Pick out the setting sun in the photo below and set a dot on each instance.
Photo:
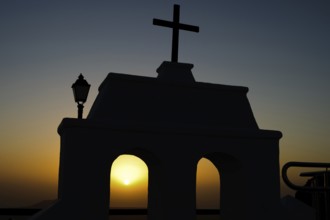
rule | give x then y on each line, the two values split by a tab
129	182
128	169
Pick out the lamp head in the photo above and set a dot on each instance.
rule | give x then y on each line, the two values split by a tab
80	89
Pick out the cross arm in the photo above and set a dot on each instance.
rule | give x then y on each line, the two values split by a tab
162	23
188	27
170	24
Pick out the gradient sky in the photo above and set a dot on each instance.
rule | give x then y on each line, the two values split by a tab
280	49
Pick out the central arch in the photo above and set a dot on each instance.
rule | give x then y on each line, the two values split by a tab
128	182
151	184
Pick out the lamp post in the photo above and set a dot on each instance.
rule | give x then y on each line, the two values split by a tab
80	92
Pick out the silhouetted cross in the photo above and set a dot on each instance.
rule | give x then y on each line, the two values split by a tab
176	25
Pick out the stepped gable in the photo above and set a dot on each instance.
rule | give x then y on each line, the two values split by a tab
132	99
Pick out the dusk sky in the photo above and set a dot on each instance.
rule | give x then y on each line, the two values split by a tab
279	49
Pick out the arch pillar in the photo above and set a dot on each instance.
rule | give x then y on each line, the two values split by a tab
84	183
232	197
172	190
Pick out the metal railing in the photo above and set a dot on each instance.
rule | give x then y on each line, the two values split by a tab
316	189
285	168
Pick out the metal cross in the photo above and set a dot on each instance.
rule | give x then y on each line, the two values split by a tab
176	25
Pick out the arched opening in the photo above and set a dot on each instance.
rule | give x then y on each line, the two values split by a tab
128	182
207	185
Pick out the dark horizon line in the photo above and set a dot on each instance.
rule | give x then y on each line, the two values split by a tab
116	211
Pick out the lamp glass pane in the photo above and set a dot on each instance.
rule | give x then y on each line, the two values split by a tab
80	93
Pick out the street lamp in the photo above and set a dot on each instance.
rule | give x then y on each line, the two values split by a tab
80	92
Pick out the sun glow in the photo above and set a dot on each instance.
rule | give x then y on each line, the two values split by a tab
128	169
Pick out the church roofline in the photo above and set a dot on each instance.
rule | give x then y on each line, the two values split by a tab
144	79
